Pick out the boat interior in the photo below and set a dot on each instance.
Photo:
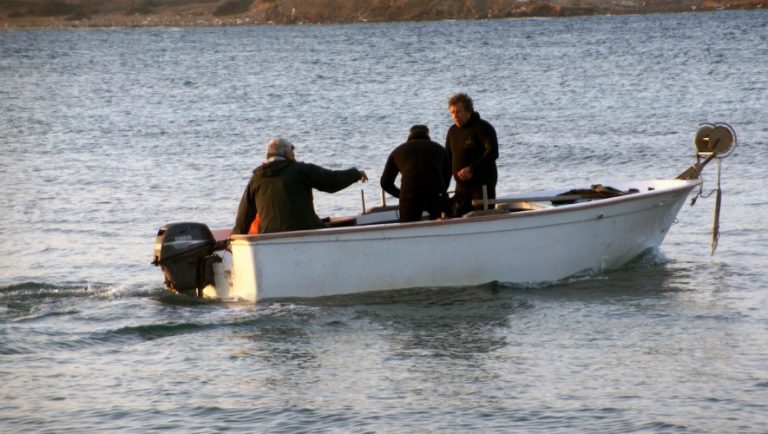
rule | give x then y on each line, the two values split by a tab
389	213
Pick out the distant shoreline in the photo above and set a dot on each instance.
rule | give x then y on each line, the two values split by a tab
72	14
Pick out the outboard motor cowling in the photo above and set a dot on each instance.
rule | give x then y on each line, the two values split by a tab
184	251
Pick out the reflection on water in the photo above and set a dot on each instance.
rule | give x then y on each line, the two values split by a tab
281	345
453	322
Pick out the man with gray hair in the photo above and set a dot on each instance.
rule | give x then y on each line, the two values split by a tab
472	148
280	191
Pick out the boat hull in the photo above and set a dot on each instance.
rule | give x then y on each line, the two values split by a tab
540	245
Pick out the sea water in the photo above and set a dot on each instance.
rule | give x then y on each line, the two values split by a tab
108	134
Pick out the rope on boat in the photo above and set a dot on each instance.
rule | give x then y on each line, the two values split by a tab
718	200
718	192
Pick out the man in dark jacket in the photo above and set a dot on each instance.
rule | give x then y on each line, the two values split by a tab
473	149
425	174
280	191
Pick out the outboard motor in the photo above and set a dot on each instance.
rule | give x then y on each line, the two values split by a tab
184	251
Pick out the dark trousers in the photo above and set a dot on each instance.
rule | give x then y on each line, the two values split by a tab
411	209
465	194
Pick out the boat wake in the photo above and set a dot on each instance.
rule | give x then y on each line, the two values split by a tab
34	300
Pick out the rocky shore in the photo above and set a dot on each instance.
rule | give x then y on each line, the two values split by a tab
16	14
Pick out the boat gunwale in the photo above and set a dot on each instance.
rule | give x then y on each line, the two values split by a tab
392	226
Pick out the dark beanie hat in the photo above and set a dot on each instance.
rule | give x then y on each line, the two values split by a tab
419	132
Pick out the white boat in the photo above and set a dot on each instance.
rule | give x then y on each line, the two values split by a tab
533	237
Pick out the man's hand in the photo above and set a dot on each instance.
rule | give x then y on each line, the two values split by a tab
465	173
363	176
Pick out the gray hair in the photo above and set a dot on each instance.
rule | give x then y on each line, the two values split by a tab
278	147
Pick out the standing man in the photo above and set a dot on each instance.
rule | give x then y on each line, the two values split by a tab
425	174
280	191
473	149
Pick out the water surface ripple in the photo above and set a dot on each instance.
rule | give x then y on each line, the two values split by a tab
107	134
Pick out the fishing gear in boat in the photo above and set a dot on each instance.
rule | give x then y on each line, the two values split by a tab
713	141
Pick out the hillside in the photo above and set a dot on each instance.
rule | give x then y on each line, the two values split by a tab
151	13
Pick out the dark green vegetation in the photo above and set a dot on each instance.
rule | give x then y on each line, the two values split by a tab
232	7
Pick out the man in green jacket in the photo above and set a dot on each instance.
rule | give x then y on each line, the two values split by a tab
280	191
